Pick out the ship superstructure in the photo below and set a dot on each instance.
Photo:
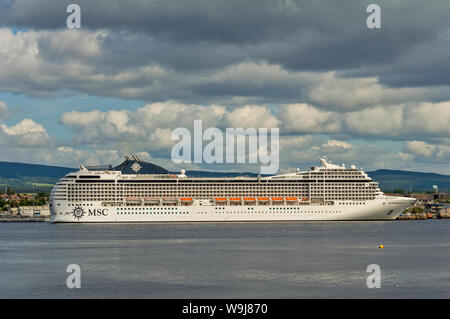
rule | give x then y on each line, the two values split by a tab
138	191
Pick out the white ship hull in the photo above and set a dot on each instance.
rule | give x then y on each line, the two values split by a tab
387	208
137	191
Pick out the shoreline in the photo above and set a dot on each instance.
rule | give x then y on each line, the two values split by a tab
24	219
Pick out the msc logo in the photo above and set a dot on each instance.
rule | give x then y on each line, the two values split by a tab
78	212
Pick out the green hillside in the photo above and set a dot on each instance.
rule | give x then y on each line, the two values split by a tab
392	179
25	178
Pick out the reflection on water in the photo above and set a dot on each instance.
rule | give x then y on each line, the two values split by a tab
238	260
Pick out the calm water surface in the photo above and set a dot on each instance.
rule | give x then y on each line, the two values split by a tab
239	260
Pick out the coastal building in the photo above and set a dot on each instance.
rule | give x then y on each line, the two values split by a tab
14	211
423	197
29	197
444	196
34	211
14	198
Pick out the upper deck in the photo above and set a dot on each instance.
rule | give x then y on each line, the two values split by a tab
139	172
319	184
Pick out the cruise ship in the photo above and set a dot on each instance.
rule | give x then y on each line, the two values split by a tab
138	191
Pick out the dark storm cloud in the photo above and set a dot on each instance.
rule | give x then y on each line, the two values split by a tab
197	37
425	64
180	56
315	24
195	20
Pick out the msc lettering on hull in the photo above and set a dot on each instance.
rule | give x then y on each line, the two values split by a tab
79	212
97	212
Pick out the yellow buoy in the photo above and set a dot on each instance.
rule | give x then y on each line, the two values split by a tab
381	246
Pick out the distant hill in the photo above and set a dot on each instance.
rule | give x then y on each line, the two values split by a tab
37	178
391	179
21	177
10	170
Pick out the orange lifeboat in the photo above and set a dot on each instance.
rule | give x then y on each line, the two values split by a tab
249	199
186	201
291	199
263	199
235	199
304	199
277	199
220	199
133	201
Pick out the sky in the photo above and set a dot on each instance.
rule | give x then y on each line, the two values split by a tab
138	69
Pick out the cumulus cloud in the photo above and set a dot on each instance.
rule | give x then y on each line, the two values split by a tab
80	120
347	94
305	118
255	116
3	111
26	133
28	141
337	144
102	135
375	121
46	62
66	154
154	122
398	121
429	151
304	151
429	118
402	121
419	148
